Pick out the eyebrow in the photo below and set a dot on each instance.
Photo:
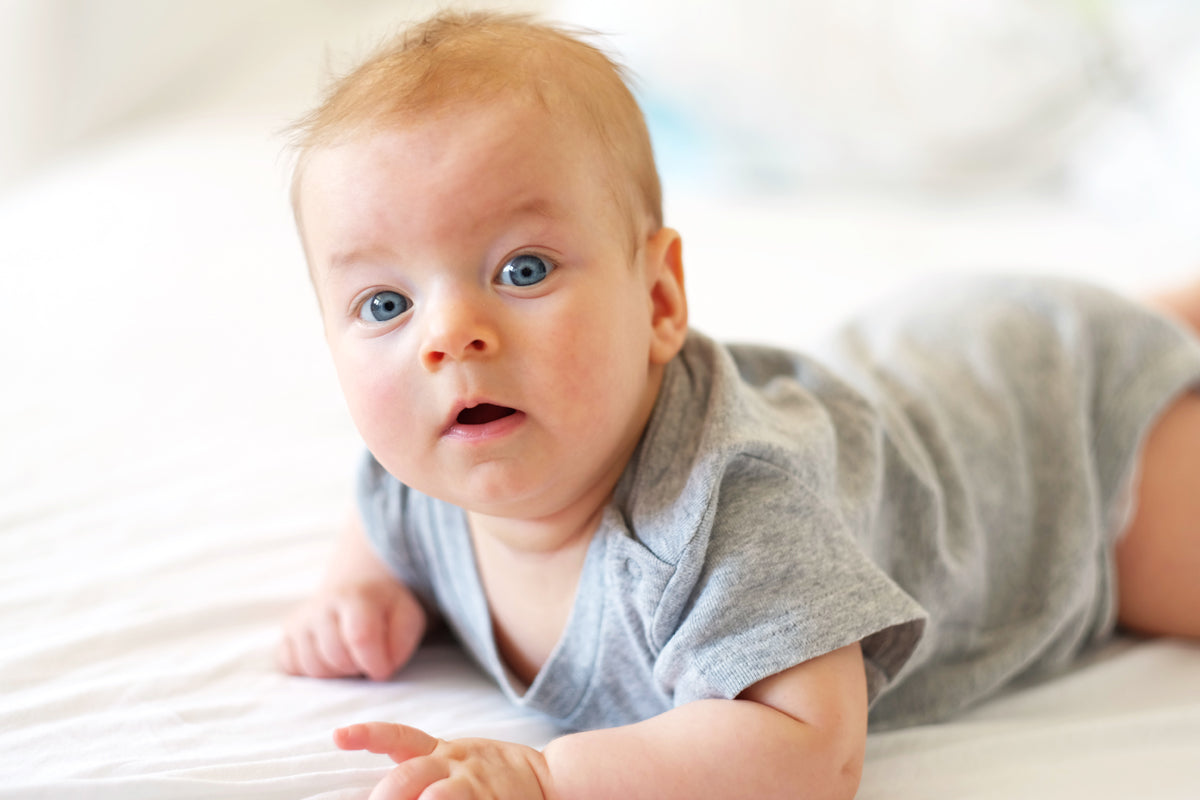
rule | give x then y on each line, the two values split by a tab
343	260
536	205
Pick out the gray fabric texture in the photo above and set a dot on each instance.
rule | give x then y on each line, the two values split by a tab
942	480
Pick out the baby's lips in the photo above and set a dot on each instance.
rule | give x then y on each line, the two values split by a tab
482	414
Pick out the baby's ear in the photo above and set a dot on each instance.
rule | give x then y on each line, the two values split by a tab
668	300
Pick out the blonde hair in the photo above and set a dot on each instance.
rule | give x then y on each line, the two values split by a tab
457	58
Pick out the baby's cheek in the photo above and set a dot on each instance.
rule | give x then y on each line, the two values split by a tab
374	398
385	403
588	371
603	394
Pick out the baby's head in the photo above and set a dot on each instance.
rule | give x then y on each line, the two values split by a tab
481	216
455	61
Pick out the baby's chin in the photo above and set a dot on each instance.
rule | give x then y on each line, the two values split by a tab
513	502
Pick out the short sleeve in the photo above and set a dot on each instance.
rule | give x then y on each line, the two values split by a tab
782	581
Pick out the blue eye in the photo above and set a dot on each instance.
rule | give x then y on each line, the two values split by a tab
525	270
384	306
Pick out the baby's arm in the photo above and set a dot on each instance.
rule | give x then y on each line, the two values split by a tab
361	621
798	734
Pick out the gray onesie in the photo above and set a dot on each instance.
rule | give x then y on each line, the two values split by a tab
942	480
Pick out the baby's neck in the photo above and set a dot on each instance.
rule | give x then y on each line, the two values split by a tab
529	577
535	538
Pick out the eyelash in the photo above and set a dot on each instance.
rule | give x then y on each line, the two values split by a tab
547	263
362	309
370	303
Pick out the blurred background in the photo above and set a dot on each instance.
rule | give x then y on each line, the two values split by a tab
1092	102
840	147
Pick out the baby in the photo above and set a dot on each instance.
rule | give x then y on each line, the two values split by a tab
714	564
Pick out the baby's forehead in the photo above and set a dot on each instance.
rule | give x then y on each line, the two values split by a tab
493	131
560	120
485	157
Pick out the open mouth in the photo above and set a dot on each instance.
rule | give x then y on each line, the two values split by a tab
483	413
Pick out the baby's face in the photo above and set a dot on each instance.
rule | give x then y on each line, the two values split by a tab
491	335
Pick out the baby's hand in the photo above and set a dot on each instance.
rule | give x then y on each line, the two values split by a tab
370	628
466	769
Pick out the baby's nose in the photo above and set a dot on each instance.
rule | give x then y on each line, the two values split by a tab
457	330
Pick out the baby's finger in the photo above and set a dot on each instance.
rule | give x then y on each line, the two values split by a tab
285	656
327	637
410	779
400	742
406	628
309	658
362	629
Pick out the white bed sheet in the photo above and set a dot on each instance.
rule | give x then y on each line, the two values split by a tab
175	454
